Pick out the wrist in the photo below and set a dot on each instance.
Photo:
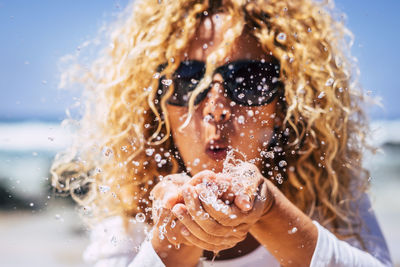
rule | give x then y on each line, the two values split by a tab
267	194
171	255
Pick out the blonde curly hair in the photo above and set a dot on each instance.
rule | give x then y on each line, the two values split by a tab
111	166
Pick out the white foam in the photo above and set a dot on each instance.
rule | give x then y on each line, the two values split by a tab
33	136
385	132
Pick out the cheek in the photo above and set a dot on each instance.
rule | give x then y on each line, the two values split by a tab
264	136
186	138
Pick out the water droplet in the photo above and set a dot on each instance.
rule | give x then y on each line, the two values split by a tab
329	82
196	162
250	113
292	231
240	96
156	75
205	216
282	163
282	36
31	204
104	188
207	118
149	151
321	95
140	217
241	119
166	82
309	29
233	216
58	217
205	46
157	157
107	151
173	224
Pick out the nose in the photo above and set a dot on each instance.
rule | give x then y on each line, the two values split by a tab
217	107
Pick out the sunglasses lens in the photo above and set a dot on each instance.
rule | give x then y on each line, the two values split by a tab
186	78
252	83
248	83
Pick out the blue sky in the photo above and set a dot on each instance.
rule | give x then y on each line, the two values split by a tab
34	35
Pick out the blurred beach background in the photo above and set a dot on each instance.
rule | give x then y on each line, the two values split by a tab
38	228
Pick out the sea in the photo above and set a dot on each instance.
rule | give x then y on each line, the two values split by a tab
39	228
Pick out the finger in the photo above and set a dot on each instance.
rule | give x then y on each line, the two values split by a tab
174	234
183	215
201	177
264	200
177	178
224	183
165	195
160	215
245	196
166	227
202	218
226	215
202	244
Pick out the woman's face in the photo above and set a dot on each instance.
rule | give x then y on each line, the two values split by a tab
217	125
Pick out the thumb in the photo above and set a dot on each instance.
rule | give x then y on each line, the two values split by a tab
171	198
244	202
245	198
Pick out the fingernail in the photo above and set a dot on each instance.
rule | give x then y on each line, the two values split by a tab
245	199
186	192
189	192
178	212
185	231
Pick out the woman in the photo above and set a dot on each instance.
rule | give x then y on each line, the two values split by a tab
185	83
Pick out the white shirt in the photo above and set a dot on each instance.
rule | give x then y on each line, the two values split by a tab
111	245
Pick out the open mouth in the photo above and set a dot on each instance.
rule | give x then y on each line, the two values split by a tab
216	152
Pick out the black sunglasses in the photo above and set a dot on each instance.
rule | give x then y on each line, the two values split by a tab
246	82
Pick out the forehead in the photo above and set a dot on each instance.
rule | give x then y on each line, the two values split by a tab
209	36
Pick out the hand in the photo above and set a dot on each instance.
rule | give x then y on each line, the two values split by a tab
203	230
219	209
251	196
168	233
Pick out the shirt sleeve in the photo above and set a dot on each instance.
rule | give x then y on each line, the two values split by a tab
147	257
331	251
111	244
